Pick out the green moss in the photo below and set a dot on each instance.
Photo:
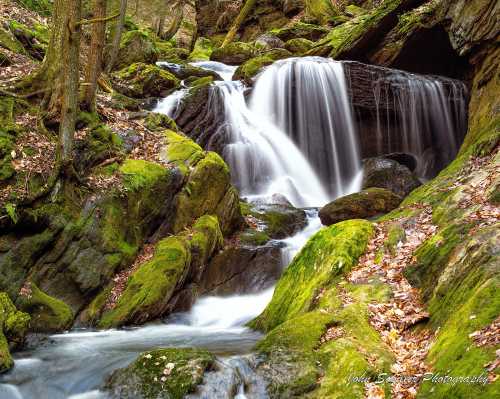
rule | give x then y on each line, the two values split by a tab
344	36
234	53
182	151
205	238
159	122
202	50
48	314
151	286
144	374
8	133
330	253
396	234
145	80
6	361
8	41
253	237
137	46
139	174
300	30
299	46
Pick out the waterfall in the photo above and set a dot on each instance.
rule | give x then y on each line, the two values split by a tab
308	99
420	115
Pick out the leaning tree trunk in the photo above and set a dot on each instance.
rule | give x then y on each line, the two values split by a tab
178	10
116	37
70	77
245	11
94	61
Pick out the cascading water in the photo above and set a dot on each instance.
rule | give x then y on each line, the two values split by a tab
307	98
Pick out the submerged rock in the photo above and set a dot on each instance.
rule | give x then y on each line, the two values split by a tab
386	173
161	374
365	204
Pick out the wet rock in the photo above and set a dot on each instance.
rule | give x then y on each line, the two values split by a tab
141	80
251	68
185	71
365	204
386	173
161	374
242	270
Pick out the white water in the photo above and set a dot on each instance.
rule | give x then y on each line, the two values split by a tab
307	98
423	117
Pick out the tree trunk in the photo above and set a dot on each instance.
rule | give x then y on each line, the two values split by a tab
245	11
178	10
116	37
94	61
70	76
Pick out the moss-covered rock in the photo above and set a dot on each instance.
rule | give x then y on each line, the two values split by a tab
202	50
299	46
150	288
171	54
35	40
159	122
254	66
208	189
161	374
330	253
136	46
9	41
300	30
141	80
365	204
13	327
234	53
187	71
48	314
8	133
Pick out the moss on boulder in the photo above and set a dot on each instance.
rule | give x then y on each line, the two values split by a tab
141	80
365	204
300	30
48	314
202	50
150	288
234	53
8	133
13	327
136	46
331	252
249	69
299	46
161	374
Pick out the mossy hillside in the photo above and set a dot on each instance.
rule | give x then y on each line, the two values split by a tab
48	314
303	365
145	377
459	278
151	286
141	80
331	252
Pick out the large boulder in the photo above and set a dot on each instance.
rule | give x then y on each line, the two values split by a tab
234	53
386	173
141	80
136	46
268	41
251	68
161	374
365	204
300	30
